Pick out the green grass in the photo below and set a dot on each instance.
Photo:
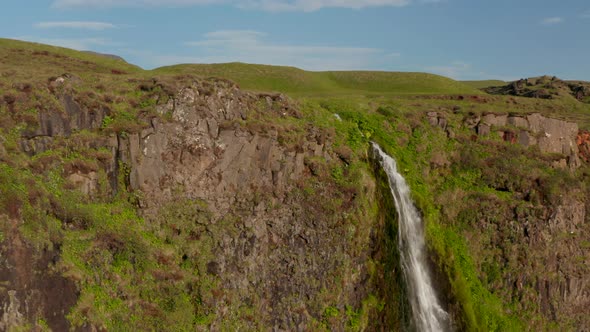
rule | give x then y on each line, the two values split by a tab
301	83
63	57
24	61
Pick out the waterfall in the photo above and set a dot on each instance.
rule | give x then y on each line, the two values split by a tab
427	313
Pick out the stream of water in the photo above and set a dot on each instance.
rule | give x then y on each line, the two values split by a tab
427	312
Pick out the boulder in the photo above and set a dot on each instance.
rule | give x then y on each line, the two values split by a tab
496	120
518	121
437	120
483	129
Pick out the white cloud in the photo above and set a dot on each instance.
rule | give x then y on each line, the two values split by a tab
314	5
460	70
132	3
267	5
252	47
456	70
76	25
552	20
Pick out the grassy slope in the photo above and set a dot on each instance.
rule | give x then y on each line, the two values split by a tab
48	61
32	57
298	82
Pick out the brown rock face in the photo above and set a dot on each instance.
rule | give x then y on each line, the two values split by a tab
56	123
583	142
30	289
499	120
280	250
271	246
563	292
550	135
197	152
556	136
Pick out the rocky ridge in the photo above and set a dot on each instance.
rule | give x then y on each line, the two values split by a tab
544	87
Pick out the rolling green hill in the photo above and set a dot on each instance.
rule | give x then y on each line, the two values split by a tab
306	83
51	61
45	58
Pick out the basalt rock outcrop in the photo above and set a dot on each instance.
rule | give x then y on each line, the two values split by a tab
544	87
524	242
269	246
31	290
279	256
549	135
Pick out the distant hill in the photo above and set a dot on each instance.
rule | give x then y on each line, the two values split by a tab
111	56
300	82
32	58
254	77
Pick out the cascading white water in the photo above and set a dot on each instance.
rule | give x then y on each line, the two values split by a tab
427	313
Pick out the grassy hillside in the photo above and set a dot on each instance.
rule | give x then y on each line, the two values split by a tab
39	59
330	83
21	60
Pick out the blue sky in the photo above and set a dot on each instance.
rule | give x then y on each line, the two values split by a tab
463	39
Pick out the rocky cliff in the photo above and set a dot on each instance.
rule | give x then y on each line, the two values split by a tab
526	225
235	188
